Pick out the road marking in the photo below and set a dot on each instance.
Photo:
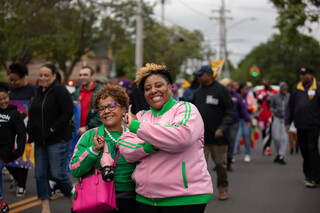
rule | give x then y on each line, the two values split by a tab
30	205
38	202
22	202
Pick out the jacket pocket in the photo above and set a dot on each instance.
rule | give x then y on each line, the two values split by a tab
184	177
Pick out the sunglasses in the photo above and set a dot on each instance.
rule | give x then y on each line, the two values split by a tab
111	107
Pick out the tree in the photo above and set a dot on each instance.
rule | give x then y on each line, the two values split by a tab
279	60
171	46
294	14
70	35
15	30
59	31
63	31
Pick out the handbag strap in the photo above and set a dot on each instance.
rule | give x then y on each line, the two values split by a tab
116	159
94	169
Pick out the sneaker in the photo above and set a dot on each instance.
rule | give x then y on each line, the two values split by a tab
4	208
13	186
311	184
223	195
291	151
281	161
233	160
305	181
268	151
247	158
276	160
21	192
229	168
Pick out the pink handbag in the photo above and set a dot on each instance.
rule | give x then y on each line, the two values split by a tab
95	195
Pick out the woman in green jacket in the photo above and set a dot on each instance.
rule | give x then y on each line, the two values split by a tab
112	103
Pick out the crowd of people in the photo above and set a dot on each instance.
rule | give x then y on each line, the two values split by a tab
155	130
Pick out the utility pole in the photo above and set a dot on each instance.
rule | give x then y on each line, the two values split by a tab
223	52
139	36
162	12
223	41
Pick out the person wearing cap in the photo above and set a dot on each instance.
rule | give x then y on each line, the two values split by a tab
167	143
280	137
103	81
303	109
84	95
216	107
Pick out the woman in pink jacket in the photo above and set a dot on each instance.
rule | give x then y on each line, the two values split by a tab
167	143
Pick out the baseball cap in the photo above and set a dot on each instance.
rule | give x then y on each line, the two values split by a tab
305	70
103	80
204	69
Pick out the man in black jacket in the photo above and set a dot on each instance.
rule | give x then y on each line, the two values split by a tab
304	109
217	110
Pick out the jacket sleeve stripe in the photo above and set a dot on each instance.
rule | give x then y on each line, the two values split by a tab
129	145
93	152
189	113
77	164
186	115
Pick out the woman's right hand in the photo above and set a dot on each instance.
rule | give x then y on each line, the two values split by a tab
98	141
129	117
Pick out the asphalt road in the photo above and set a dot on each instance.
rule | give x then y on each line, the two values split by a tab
260	186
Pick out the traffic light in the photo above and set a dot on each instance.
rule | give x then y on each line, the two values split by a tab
70	83
254	71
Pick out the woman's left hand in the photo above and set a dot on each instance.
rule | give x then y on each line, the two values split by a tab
98	141
129	117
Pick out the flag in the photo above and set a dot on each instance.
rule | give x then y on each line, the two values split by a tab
216	66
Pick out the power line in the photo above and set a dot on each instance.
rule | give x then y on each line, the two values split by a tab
192	8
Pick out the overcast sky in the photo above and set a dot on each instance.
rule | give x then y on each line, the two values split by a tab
243	34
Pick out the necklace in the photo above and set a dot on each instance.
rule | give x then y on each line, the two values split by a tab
110	136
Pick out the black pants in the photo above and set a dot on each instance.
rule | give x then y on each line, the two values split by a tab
308	143
126	205
144	208
266	137
19	174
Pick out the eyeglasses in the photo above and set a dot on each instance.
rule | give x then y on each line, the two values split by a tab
111	107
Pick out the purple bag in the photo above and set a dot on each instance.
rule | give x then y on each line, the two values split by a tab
95	195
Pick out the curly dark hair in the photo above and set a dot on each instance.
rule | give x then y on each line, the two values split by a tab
18	69
116	92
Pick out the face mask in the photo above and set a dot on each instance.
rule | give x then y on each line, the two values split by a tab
174	89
